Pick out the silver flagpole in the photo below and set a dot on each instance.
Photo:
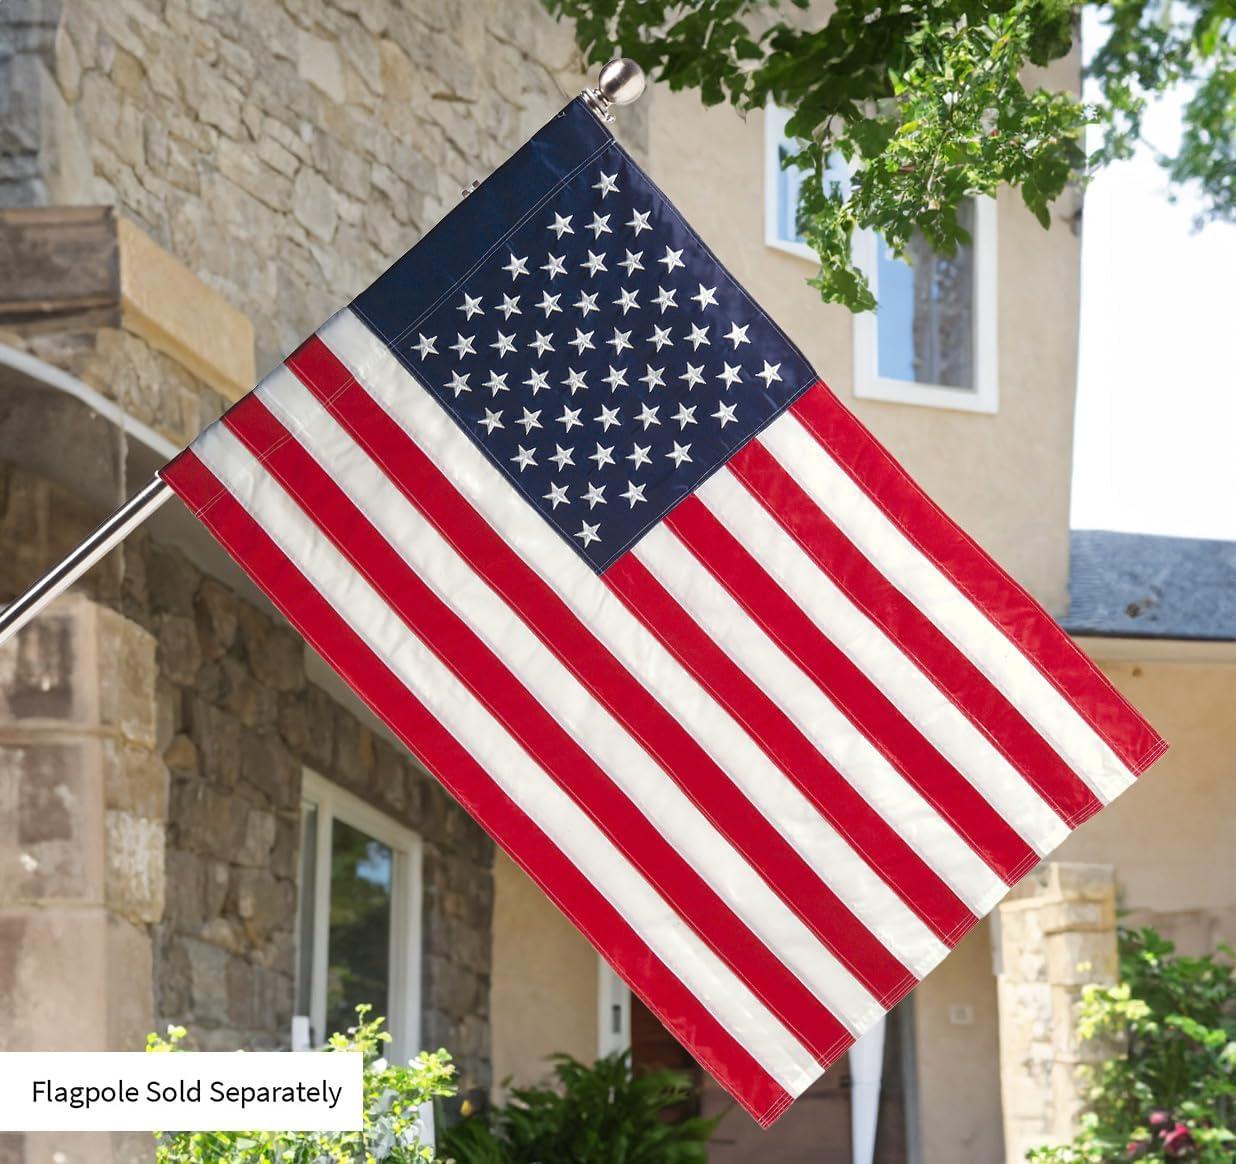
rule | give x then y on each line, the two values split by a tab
619	83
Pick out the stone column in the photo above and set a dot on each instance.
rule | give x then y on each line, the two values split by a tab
1056	932
83	800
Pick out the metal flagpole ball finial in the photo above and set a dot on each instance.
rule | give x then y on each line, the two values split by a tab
621	81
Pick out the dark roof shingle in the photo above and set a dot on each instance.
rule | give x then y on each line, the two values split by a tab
1148	586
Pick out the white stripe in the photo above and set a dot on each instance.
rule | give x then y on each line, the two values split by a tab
916	576
586	721
525	531
718	989
932	713
830	731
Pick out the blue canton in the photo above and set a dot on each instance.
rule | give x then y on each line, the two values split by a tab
603	359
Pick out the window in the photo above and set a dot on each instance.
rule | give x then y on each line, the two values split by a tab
359	924
932	340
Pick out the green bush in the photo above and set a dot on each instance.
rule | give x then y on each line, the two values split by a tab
1169	1091
393	1097
599	1114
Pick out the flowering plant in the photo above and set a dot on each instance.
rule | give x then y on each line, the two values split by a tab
1169	1091
393	1099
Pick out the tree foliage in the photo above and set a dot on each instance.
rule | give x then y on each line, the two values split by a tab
935	101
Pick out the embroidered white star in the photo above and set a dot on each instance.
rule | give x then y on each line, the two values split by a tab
537	381
503	344
582	342
425	345
678	454
607	419
698	335
607	185
671	259
542	344
570	418
725	414
660	337
516	267
738	335
626	300
603	456
587	303
665	298
588	533
510	306
599	225
594	495
632	263
471	306
617	378
574	381
463	345
684	415
634	493
549	303
640	454
648	416
694	376
555	267
621	340
530	420
560	225
653	377
458	383
705	297
770	374
492	421
731	374
594	263
497	383
524	458
639	222
562	457
557	495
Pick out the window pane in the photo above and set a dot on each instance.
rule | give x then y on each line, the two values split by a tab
360	926
926	314
304	925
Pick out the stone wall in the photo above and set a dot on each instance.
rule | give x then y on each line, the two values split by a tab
285	151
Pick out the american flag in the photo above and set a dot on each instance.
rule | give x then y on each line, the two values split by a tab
582	526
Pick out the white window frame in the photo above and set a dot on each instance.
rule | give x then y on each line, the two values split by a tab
775	120
984	396
613	1011
404	1001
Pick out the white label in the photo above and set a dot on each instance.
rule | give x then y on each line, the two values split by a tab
198	1091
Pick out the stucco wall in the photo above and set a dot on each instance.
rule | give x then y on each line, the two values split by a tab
543	995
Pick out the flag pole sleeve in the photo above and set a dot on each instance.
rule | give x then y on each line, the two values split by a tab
61	576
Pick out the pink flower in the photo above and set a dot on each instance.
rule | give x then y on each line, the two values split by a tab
1178	1142
1160	1118
1137	1149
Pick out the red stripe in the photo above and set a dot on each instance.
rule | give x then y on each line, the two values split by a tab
1038	636
542	737
867	707
549	617
917	636
868	833
442	754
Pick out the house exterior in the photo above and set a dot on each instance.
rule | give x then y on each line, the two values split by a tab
195	812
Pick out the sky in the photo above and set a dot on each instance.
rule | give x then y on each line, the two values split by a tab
1155	438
